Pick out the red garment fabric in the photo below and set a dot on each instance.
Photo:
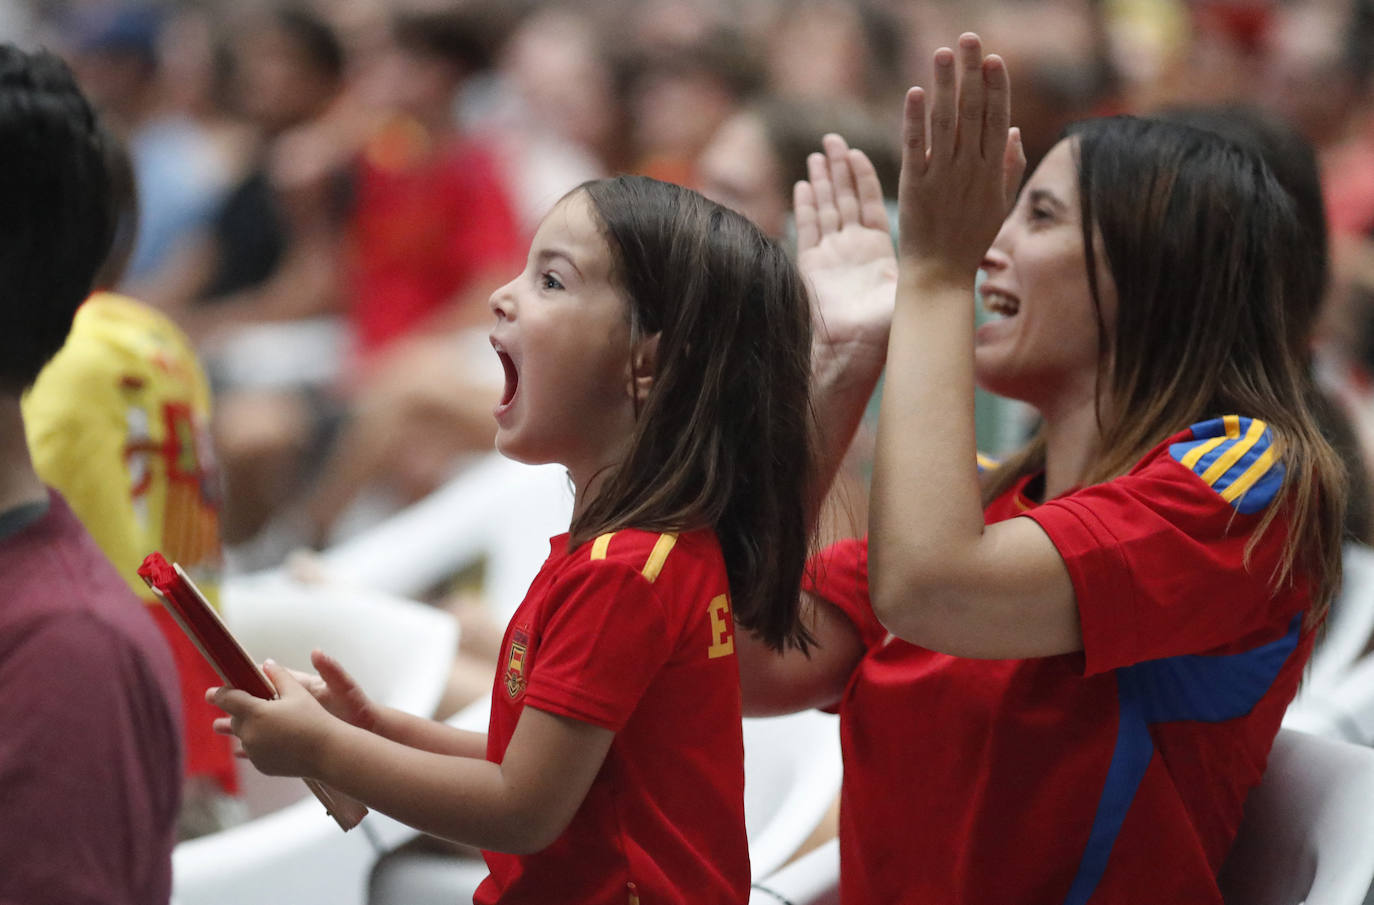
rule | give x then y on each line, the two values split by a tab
90	757
632	632
426	225
1113	775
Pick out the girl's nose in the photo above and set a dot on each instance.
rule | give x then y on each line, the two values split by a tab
502	302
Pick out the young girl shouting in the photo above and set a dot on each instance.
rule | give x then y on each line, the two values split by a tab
658	346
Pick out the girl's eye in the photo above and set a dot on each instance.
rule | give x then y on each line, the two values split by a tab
549	281
1040	214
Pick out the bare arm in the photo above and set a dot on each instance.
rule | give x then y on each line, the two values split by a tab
774	683
845	253
340	694
938	577
520	805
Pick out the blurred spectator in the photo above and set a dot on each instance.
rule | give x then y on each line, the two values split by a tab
90	759
118	423
270	251
759	153
180	168
430	233
678	97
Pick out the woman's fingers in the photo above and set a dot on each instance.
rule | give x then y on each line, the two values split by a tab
1013	166
914	156
973	99
944	112
997	118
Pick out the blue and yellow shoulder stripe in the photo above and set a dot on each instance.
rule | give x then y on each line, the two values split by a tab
987	463
1238	457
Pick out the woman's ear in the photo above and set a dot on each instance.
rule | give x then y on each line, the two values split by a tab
643	366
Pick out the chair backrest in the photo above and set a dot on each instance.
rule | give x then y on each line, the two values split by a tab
290	851
496	512
1308	831
813	879
1350	626
792	773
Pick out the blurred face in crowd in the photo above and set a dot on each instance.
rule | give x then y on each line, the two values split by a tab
739	170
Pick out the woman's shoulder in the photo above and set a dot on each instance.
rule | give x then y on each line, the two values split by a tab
1238	457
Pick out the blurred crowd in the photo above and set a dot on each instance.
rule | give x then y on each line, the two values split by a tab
329	191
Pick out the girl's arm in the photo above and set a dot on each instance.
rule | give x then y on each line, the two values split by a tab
520	805
938	577
774	683
340	694
845	253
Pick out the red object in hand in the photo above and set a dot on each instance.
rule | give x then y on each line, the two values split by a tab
211	637
203	626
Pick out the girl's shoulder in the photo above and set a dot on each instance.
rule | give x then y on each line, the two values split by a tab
652	552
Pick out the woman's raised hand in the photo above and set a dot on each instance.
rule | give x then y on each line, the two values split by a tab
960	173
844	245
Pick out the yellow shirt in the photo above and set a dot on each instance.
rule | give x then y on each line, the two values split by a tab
118	422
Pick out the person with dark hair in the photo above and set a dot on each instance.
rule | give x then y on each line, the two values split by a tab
1293	162
658	346
118	423
1058	674
90	758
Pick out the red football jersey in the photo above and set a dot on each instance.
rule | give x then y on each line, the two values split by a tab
1113	775
632	632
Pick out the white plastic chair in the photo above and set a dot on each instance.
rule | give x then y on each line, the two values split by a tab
813	879
792	772
1308	831
290	852
1351	626
495	511
1343	710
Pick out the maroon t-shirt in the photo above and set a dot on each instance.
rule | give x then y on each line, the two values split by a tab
90	756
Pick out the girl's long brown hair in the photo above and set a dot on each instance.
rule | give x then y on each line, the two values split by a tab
1208	259
724	438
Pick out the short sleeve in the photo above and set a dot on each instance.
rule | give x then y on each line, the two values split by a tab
603	640
1159	567
839	576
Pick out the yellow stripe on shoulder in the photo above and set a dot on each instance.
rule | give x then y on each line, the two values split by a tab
1232	456
600	545
659	555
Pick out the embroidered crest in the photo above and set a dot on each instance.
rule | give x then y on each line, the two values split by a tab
516	660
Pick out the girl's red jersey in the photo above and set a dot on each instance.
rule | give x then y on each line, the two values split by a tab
632	632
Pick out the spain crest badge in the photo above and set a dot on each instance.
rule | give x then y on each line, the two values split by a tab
516	661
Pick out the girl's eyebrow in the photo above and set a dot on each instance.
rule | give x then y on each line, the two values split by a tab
548	253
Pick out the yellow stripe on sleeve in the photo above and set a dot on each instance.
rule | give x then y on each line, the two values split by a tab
1197	452
1258	469
662	547
600	545
1232	456
1231	424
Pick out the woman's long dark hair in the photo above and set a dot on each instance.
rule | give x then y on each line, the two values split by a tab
1206	253
724	438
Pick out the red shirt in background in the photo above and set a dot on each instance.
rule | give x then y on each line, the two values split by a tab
633	633
428	223
1113	775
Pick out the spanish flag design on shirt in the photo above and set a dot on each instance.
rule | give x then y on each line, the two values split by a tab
1238	457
